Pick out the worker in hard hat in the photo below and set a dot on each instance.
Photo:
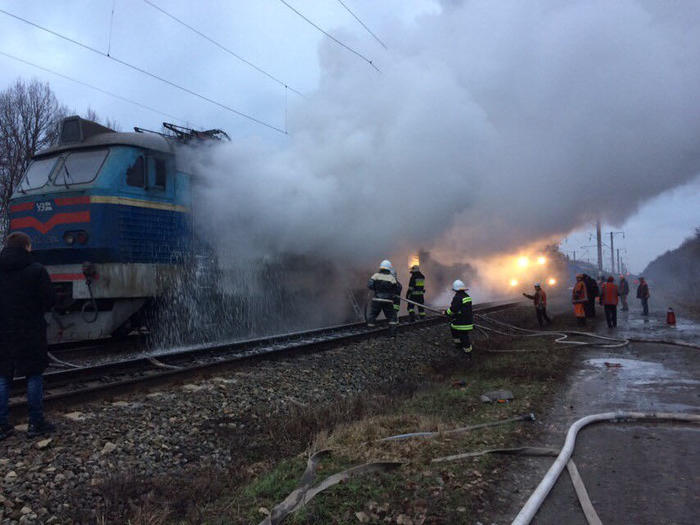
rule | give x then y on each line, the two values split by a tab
462	318
386	288
540	301
579	298
416	293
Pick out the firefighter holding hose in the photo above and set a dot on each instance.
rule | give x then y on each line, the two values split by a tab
460	311
386	289
416	293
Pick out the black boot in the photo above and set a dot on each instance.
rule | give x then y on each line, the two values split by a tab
6	431
42	428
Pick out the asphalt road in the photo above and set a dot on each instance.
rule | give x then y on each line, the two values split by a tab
634	473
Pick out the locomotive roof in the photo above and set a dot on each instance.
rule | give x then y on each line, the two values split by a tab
150	141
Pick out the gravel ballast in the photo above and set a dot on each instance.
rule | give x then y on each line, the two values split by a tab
209	423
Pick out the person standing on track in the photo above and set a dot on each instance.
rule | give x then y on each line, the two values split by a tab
608	298
579	298
540	300
462	318
416	293
643	295
624	289
386	288
25	294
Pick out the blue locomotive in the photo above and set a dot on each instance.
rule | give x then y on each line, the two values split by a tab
110	216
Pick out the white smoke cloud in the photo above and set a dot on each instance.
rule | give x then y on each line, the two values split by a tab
492	125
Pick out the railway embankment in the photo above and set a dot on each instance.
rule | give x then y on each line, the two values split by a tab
230	446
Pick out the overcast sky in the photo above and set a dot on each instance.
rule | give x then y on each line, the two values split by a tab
269	34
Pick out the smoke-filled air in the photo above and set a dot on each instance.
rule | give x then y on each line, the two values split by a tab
492	126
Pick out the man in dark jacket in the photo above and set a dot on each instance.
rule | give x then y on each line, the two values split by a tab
462	318
643	295
624	289
386	289
592	292
416	292
25	294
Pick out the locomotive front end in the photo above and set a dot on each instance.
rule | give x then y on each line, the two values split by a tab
108	215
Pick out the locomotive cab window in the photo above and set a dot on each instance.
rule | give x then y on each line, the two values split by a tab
159	173
136	174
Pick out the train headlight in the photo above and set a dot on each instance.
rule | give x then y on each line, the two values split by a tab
514	282
69	237
82	237
523	261
551	281
541	260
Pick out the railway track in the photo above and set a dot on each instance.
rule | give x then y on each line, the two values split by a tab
123	375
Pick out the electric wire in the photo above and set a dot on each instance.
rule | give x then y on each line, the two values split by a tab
363	57
104	91
147	73
223	48
362	24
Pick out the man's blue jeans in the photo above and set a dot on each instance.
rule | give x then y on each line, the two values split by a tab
35	398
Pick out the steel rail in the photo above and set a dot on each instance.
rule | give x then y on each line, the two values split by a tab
109	376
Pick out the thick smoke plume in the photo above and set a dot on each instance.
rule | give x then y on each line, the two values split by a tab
492	125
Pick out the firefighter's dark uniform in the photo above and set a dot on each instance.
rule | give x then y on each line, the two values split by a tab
416	293
386	288
462	321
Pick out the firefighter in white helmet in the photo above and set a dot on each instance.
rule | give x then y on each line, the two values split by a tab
462	317
386	288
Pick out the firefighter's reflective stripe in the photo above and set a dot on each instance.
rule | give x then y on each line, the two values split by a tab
420	282
417	292
462	327
466	300
383	300
449	311
421	314
383	277
397	307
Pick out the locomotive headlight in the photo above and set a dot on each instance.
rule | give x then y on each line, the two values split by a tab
551	281
69	237
82	237
523	261
514	282
541	260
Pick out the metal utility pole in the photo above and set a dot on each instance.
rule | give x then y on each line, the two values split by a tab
619	266
599	242
612	249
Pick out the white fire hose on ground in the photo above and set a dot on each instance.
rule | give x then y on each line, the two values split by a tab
536	499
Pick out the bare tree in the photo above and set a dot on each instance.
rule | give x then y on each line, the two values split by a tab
29	117
91	114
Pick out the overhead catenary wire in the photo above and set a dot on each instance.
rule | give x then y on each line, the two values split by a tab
362	24
357	53
144	72
223	48
100	90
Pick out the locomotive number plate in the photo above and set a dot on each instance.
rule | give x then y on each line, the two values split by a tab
44	206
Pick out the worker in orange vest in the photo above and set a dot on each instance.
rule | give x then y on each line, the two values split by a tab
608	298
579	298
540	300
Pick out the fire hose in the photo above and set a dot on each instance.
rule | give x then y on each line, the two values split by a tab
536	499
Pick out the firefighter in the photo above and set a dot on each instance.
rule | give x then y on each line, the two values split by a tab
608	298
540	300
386	288
624	289
579	298
416	293
462	318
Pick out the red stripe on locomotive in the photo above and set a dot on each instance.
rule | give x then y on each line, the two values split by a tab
59	218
